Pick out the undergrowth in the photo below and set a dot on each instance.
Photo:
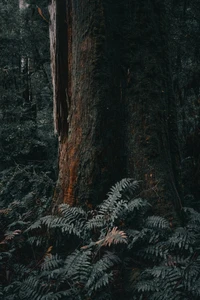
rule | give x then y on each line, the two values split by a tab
116	251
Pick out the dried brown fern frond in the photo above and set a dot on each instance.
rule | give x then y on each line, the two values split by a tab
10	235
113	236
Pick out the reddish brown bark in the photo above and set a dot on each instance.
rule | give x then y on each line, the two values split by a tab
113	99
87	123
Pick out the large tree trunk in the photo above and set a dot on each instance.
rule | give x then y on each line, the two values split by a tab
113	98
151	132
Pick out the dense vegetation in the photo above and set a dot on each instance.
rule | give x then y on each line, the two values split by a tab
119	249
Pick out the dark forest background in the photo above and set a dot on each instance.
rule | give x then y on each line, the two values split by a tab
124	248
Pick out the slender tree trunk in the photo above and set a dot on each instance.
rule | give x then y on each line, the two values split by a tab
113	100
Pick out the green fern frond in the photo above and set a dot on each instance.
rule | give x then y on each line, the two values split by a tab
36	225
124	185
37	240
63	224
117	191
168	294
77	266
192	215
48	220
99	269
51	262
138	237
191	275
69	294
102	281
71	213
183	239
156	222
137	204
98	221
163	272
117	211
20	270
154	252
33	288
147	286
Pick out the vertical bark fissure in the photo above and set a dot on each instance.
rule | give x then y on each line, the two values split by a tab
61	69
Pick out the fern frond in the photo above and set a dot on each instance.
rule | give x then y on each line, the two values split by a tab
146	286
11	235
156	222
137	204
36	225
115	194
77	266
124	185
168	294
193	215
114	236
33	288
102	281
191	276
163	272
98	221
183	239
20	270
69	294
71	213
99	269
138	237
37	240
155	252
117	211
51	262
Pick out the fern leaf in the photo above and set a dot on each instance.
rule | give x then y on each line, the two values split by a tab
183	239
51	262
36	225
114	236
155	252
157	222
77	265
98	221
147	286
102	281
137	204
126	184
100	268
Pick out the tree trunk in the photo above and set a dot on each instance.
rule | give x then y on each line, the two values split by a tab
113	100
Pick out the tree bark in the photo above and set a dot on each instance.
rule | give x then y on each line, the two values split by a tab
151	133
113	99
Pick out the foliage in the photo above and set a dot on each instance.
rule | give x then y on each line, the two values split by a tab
78	254
118	250
27	143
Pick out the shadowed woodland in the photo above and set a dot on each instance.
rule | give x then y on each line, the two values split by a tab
100	150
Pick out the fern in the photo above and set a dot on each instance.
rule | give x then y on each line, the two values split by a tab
183	239
137	204
156	222
77	265
51	262
123	186
98	272
114	236
154	252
